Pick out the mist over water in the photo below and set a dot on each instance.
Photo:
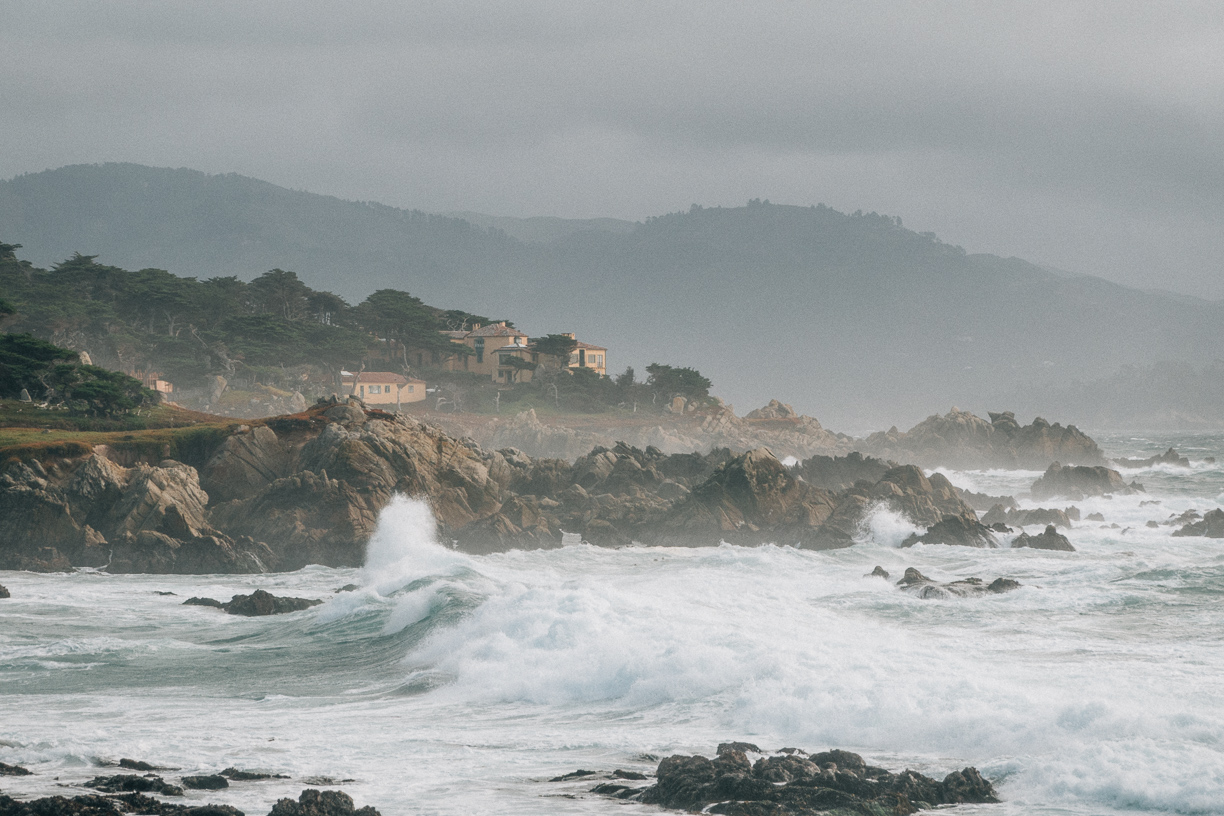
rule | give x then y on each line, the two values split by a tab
449	683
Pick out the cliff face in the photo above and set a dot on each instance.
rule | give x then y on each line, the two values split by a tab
308	488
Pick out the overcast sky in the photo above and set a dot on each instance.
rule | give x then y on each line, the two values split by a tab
1088	137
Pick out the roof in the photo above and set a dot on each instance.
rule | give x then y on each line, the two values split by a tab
513	347
496	331
381	377
588	346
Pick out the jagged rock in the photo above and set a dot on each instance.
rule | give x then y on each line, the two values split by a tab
4	593
261	602
245	463
1095	517
774	410
1211	526
249	776
205	782
752	499
918	584
1025	518
1169	457
1051	539
1078	482
13	770
836	473
795	785
962	530
125	783
878	572
983	502
963	441
320	803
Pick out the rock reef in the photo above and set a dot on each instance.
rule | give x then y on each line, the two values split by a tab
792	782
961	440
1080	481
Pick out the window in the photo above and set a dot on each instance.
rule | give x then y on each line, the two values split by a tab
479	350
581	357
375	389
411	388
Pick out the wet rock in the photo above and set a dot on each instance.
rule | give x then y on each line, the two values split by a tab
13	770
90	805
578	774
320	803
1095	517
1025	518
795	785
837	473
1211	526
205	782
1051	539
262	602
4	593
918	584
1169	457
620	774
736	747
878	572
963	531
129	783
1078	482
348	588
963	441
140	765
249	776
983	502
196	601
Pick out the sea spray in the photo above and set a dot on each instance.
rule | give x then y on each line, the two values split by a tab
405	547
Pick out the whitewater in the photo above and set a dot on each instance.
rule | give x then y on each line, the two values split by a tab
455	684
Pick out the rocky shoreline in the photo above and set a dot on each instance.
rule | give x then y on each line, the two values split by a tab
308	489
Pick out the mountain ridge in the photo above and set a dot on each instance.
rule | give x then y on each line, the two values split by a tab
850	317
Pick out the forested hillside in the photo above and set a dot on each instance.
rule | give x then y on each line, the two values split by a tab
852	318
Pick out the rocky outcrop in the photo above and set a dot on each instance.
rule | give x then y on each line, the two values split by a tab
984	502
92	512
752	499
311	802
1051	539
1169	457
964	441
960	530
1211	526
4	593
774	410
1024	518
915	583
796	783
309	488
257	604
837	473
1078	482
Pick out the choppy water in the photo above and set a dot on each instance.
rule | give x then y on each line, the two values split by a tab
454	684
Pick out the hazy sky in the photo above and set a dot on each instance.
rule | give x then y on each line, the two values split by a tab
1085	136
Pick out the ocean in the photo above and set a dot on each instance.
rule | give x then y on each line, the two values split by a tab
457	684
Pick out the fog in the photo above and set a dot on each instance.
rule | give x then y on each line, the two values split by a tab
1086	137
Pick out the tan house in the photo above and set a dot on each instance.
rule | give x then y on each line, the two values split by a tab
484	341
589	356
383	387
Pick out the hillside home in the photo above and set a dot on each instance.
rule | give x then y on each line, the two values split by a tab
383	387
484	341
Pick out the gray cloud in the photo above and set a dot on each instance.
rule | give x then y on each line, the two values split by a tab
1086	136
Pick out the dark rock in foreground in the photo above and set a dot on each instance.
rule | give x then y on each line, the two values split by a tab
797	784
1077	482
205	782
4	593
1211	525
134	783
918	584
962	530
260	602
13	770
1051	539
310	803
249	776
321	803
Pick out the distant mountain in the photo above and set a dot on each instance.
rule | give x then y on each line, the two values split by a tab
851	318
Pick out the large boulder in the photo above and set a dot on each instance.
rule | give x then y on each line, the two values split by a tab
960	530
774	410
751	499
1211	526
245	463
915	583
1078	482
1051	539
964	441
